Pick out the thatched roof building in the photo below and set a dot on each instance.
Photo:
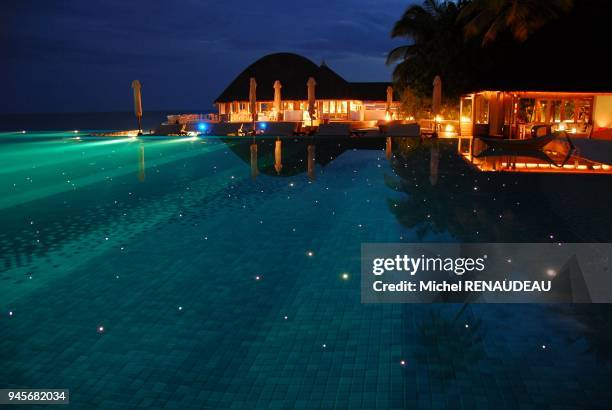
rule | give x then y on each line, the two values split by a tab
336	98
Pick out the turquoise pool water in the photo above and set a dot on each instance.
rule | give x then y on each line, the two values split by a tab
207	273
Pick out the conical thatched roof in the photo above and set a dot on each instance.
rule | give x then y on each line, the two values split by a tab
293	71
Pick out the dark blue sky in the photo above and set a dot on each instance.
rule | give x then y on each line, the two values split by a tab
81	55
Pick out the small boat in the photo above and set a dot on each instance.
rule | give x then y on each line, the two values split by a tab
530	144
536	142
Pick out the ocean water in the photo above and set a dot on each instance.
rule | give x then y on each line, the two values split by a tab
62	122
209	273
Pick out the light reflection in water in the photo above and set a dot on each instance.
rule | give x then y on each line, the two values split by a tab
254	168
558	156
311	162
141	163
278	156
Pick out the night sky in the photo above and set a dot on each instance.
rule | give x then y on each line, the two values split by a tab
77	55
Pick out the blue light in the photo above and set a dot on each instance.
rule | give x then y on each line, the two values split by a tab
202	126
263	125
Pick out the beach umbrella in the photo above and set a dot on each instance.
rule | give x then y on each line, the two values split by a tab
311	84
277	96
437	95
137	103
389	99
436	102
253	99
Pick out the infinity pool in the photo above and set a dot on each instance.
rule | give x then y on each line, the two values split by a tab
209	273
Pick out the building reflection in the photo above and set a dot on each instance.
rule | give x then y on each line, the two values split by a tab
442	194
284	157
558	157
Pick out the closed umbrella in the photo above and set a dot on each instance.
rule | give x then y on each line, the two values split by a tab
277	97
311	84
389	100
437	95
253	99
436	101
137	104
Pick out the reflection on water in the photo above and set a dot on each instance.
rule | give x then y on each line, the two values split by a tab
434	159
311	162
254	168
141	163
445	195
293	156
559	156
455	347
278	155
102	247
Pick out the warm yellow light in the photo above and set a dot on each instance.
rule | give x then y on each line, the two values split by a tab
449	128
466	119
387	117
562	127
574	130
439	118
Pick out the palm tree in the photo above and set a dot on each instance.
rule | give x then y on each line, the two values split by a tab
490	18
434	46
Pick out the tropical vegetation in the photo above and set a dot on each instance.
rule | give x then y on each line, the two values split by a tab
468	42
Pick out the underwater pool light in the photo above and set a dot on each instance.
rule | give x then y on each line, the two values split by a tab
202	126
263	125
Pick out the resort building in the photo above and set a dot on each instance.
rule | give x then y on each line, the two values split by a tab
513	113
289	87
